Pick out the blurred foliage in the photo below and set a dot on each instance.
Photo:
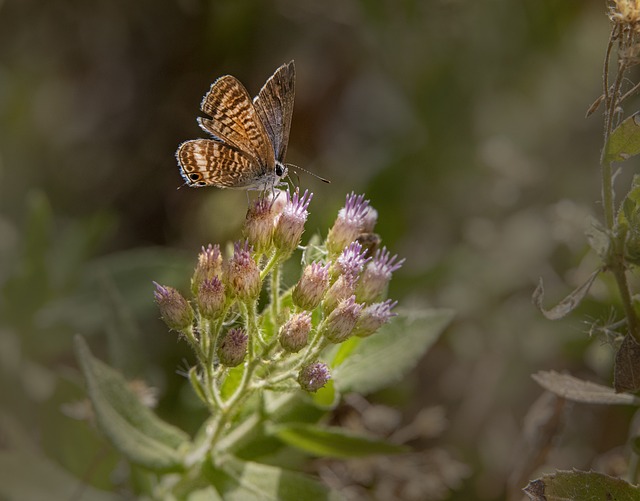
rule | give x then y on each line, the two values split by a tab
462	121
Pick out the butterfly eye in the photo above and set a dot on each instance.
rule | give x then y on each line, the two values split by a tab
279	170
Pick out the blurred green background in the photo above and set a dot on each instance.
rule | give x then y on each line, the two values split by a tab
463	122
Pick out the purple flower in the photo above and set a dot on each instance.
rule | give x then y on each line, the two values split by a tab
351	261
211	298
259	224
376	275
314	376
373	317
242	276
174	309
311	287
233	348
349	223
209	266
290	224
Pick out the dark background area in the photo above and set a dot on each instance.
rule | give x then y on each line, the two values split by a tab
463	122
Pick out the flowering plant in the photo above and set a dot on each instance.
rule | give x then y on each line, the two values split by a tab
260	346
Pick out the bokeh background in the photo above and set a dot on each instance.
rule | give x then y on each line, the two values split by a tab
462	121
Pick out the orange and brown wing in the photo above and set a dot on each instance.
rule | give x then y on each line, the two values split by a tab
205	162
234	120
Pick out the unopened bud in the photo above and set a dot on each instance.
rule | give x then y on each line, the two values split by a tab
340	290
209	266
290	224
339	325
373	317
233	348
294	334
348	225
314	376
211	298
242	276
174	309
258	225
311	287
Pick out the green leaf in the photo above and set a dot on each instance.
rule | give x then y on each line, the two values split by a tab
240	480
333	441
132	428
624	141
581	486
30	475
386	356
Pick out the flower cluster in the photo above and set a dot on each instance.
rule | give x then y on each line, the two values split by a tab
241	317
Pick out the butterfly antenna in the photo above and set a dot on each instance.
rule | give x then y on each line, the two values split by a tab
294	167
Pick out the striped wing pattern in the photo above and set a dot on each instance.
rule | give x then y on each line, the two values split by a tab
235	121
248	136
206	162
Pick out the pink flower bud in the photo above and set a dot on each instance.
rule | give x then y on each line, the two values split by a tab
348	225
294	334
313	283
174	309
339	324
258	225
314	376
242	276
211	298
209	266
376	275
373	317
290	224
233	348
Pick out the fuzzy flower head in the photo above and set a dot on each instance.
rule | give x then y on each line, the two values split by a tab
341	289
625	13
314	376
373	317
233	348
242	276
175	310
294	334
339	325
369	220
348	225
209	266
376	275
311	287
211	298
351	262
258	225
290	224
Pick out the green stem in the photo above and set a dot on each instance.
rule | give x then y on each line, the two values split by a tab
275	298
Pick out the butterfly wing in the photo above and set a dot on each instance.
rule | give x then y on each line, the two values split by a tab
274	105
206	162
234	120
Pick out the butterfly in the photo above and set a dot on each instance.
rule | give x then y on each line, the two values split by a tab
250	137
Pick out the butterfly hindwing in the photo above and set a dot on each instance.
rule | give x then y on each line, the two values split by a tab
206	162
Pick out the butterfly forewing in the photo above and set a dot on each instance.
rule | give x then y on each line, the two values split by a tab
234	120
205	162
274	105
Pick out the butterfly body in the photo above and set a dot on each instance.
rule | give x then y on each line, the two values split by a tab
249	137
